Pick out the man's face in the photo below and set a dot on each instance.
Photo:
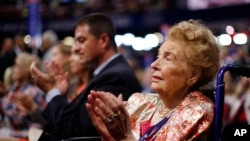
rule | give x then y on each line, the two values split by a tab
87	46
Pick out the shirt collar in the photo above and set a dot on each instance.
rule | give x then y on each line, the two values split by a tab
103	65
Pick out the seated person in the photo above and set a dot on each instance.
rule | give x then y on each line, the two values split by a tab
187	60
83	73
23	85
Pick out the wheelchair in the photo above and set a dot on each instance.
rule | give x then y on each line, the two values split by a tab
219	97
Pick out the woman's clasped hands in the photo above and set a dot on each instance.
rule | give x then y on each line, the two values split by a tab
109	115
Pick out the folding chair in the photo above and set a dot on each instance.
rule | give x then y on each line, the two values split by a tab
219	98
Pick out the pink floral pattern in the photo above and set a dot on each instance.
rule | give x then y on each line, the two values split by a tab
190	121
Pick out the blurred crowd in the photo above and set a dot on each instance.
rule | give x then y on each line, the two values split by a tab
64	9
16	83
237	88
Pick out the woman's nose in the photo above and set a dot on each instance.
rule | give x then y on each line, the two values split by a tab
154	65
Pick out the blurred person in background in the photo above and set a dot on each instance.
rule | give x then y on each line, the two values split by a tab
7	45
10	49
242	57
61	55
133	59
230	98
187	60
246	103
225	57
7	80
3	92
20	45
95	45
7	60
23	85
237	109
49	39
84	75
7	55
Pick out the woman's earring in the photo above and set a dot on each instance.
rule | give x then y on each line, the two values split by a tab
189	82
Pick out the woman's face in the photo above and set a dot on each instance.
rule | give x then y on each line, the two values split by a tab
75	64
58	56
19	72
170	71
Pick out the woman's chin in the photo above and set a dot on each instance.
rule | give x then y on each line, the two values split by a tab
154	88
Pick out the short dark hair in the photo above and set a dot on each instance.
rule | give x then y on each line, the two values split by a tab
99	23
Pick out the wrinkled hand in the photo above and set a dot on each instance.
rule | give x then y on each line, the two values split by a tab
24	102
97	121
109	116
54	78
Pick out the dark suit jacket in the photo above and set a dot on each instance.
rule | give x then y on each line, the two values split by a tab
72	120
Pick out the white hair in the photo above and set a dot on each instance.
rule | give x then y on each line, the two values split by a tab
50	35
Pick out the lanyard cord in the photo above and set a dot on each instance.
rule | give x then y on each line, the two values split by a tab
155	128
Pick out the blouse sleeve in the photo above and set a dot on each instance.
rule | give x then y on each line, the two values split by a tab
192	121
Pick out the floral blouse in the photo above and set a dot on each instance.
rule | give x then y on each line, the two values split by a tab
18	119
191	120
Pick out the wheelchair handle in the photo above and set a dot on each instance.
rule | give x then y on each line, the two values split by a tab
240	70
219	98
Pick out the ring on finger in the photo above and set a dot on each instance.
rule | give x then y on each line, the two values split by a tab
109	119
116	114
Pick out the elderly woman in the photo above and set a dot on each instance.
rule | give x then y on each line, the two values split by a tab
186	61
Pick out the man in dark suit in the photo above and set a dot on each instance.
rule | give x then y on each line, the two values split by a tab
95	45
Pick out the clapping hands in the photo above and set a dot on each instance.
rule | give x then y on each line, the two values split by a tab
109	116
55	77
24	102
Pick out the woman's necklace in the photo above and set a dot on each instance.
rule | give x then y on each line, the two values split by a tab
163	111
